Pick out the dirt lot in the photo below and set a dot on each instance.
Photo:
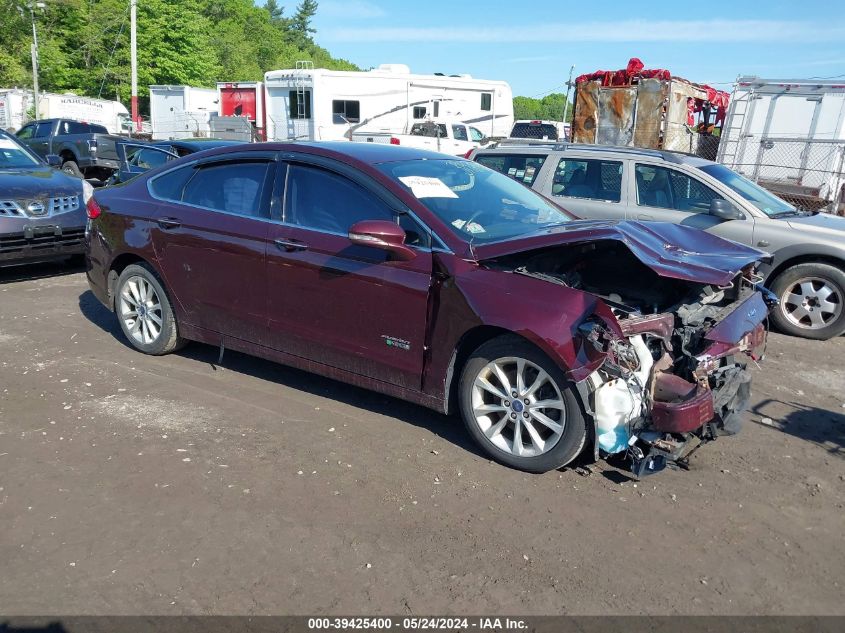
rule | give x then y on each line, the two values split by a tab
139	485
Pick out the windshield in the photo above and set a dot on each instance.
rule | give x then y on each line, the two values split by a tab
13	156
479	204
767	202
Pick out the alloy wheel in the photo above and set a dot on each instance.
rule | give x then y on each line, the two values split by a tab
812	303
518	407
140	310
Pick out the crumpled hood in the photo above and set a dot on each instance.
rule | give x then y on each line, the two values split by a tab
820	224
670	250
40	181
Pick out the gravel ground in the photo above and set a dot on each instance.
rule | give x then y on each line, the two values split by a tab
139	485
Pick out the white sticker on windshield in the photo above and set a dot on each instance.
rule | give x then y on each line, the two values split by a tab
425	187
6	143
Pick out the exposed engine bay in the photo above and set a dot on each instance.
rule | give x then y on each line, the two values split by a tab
675	372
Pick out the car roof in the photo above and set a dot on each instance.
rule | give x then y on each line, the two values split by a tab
524	146
197	144
367	153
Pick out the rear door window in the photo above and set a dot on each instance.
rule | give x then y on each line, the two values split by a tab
666	188
588	178
523	168
236	186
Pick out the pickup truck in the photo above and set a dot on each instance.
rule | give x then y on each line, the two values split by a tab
86	150
448	137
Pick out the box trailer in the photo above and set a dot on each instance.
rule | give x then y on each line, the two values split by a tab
112	115
181	111
243	99
319	104
648	108
788	135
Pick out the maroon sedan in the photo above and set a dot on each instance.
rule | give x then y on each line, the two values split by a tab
439	281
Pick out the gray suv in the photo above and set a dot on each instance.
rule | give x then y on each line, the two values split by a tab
602	182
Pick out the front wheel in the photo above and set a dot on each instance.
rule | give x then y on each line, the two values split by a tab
70	167
144	311
519	407
811	301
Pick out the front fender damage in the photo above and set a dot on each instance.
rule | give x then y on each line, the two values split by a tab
666	387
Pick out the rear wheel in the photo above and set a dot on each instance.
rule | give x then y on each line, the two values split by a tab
811	301
144	311
519	407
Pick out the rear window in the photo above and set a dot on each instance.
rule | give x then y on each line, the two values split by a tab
543	131
592	179
522	168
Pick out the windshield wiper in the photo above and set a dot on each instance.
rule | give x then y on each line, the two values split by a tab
786	214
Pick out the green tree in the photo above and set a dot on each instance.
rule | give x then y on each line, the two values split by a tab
549	108
300	24
84	44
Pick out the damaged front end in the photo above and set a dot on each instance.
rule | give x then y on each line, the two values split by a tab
674	374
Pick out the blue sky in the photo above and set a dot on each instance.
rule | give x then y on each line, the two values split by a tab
532	44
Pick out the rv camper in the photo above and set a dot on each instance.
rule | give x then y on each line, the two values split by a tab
318	104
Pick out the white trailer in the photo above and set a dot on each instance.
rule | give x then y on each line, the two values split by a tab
181	111
318	104
789	136
112	115
14	102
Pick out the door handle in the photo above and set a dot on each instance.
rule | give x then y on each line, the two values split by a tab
763	243
169	223
291	245
643	216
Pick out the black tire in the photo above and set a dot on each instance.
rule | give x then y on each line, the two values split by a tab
168	339
571	440
70	167
790	280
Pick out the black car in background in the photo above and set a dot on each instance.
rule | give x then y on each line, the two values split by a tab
42	209
137	158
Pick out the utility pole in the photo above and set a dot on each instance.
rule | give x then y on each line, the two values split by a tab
133	18
32	5
566	103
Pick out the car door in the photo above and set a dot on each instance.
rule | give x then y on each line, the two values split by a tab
336	303
666	194
210	240
589	187
37	136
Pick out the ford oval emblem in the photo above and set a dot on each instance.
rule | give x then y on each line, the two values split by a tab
36	208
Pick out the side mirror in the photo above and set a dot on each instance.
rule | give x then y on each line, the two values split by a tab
53	160
384	235
724	210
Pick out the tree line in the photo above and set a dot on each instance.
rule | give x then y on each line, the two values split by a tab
549	108
84	44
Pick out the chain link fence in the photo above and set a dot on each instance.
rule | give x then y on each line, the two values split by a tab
807	174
